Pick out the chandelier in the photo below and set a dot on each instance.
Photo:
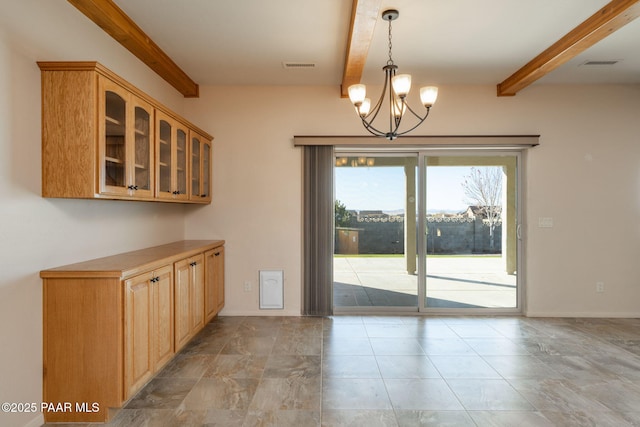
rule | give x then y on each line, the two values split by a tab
395	90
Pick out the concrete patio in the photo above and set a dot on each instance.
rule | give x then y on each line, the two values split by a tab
452	282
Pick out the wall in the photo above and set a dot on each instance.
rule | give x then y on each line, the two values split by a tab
587	167
257	181
37	233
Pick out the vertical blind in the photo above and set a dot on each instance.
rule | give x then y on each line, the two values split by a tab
318	230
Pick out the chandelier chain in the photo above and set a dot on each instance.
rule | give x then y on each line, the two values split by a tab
390	61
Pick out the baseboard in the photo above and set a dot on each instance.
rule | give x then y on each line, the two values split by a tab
274	313
616	315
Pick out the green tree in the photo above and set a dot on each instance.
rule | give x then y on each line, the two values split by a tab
342	215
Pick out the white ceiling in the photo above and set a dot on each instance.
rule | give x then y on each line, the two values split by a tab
245	42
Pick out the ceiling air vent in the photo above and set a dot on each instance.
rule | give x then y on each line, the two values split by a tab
298	65
609	62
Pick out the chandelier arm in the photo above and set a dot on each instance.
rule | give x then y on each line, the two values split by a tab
376	109
368	124
419	123
418	116
394	101
392	118
368	120
373	131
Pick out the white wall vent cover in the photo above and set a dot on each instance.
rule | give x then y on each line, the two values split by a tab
298	65
601	62
271	289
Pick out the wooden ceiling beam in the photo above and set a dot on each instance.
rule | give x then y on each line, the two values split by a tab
613	16
364	15
108	16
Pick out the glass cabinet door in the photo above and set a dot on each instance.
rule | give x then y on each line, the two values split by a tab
200	168
164	159
125	143
205	191
181	164
172	159
195	167
142	171
114	153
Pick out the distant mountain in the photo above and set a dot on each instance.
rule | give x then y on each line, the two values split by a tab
429	211
443	211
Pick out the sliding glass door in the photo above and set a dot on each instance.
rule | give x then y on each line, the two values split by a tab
426	231
375	256
471	221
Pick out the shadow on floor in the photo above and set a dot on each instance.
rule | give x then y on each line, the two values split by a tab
347	295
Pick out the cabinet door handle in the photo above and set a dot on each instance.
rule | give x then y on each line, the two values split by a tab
132	187
217	254
193	264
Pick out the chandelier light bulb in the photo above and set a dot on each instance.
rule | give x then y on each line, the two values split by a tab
364	108
401	84
398	108
428	95
357	94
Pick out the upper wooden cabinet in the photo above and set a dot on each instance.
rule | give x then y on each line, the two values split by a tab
104	138
171	158
200	168
125	143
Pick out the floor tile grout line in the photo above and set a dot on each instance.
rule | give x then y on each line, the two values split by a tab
556	330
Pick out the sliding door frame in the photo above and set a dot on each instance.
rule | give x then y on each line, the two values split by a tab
423	153
379	152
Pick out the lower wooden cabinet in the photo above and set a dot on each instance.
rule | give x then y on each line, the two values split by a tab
189	292
138	333
163	317
110	324
148	338
214	283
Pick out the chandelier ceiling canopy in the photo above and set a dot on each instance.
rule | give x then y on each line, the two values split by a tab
394	92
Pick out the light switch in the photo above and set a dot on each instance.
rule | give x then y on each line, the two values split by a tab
545	222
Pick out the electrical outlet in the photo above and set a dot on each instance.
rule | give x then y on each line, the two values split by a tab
247	286
599	286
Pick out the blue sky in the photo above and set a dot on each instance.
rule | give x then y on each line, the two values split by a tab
382	188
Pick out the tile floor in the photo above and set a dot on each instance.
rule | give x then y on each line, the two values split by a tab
398	371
